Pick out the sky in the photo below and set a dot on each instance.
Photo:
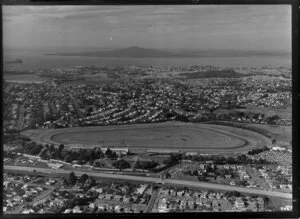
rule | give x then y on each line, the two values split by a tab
238	27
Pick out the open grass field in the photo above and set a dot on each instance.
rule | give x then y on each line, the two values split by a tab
282	134
168	135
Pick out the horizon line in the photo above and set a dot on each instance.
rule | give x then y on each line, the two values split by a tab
124	47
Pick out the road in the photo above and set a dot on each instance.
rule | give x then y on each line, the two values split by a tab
204	185
152	200
20	122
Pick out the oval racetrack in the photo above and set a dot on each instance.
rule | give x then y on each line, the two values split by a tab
168	135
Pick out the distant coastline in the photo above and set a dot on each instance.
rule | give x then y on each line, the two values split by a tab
36	59
16	61
138	52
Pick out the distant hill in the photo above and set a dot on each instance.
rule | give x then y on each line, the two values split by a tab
138	52
135	52
227	73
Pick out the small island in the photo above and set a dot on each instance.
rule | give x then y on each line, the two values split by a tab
139	52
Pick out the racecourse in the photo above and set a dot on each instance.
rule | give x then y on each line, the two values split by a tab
168	135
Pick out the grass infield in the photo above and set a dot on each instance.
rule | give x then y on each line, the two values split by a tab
168	135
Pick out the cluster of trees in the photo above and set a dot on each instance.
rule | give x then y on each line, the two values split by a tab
202	178
191	173
71	179
121	164
172	159
272	119
281	179
72	202
258	150
242	183
222	172
243	159
9	154
84	180
63	193
181	118
220	160
204	117
232	193
53	152
32	148
145	165
110	154
130	187
200	158
208	168
82	156
189	118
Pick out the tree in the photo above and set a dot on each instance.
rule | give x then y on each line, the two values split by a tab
181	118
195	158
121	164
243	183
108	153
71	179
137	164
233	193
113	155
90	182
56	155
168	175
83	178
100	155
61	147
202	178
145	165
173	158
209	169
91	161
195	173
266	199
93	154
189	172
51	148
36	149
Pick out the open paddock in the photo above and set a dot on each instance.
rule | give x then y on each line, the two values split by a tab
160	136
282	133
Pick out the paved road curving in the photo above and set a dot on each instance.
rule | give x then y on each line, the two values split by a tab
204	185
